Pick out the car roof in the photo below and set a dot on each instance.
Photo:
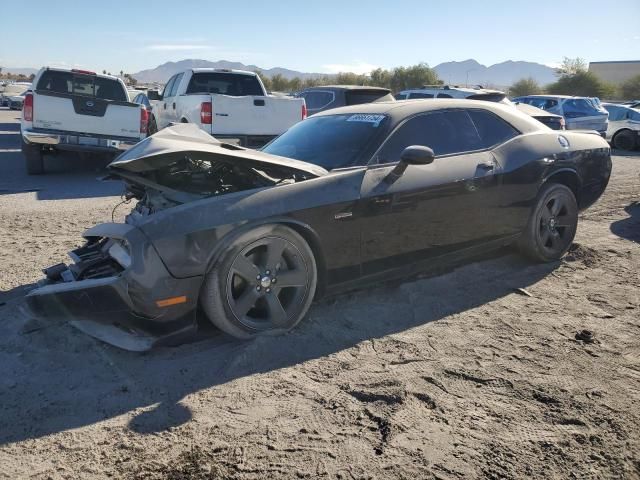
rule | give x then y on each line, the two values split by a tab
346	87
551	96
401	109
73	70
222	70
453	88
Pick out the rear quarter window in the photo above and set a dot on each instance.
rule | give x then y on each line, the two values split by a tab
492	129
318	100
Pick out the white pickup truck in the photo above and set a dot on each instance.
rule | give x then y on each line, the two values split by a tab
228	104
78	110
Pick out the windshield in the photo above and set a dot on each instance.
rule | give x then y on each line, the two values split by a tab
82	84
331	141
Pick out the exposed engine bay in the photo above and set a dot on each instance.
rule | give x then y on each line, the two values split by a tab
190	179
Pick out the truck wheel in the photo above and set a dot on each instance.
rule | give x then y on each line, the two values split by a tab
153	126
33	158
263	284
624	140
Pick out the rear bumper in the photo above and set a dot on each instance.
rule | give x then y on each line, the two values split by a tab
81	142
120	307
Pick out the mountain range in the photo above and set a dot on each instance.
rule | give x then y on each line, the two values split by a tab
465	72
468	71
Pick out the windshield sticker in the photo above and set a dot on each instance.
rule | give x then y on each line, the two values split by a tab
367	118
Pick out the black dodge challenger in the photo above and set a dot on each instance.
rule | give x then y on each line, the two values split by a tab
349	196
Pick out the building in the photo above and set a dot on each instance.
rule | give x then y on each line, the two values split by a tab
615	72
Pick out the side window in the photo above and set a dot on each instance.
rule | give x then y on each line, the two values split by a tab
578	107
634	115
167	87
401	96
444	95
137	99
420	95
491	129
446	133
176	84
616	113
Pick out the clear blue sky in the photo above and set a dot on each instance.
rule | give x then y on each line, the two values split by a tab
324	36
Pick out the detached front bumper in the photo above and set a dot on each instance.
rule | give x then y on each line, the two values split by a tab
77	141
118	291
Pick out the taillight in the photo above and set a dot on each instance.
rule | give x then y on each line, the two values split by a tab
206	113
144	120
304	111
27	108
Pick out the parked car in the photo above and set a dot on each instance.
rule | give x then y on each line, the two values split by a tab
551	120
349	196
556	122
16	101
11	90
624	126
229	104
451	91
580	113
319	99
78	110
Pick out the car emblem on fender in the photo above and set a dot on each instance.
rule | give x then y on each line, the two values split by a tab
89	104
563	141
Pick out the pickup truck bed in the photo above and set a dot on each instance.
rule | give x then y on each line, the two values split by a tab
79	111
227	104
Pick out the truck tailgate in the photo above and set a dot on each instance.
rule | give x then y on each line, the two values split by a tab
251	115
75	113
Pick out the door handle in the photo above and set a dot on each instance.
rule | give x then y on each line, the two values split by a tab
165	105
174	105
486	165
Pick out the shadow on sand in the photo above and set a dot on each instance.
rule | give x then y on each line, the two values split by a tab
56	379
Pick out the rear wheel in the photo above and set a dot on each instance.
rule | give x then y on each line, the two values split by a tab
552	224
263	284
33	158
624	140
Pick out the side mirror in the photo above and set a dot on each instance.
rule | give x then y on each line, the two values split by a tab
154	95
417	155
412	155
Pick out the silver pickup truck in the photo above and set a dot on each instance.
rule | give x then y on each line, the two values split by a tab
78	110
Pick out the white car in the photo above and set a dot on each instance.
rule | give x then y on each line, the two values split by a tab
451	91
78	110
228	104
624	126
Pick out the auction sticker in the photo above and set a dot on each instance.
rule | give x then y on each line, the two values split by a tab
367	118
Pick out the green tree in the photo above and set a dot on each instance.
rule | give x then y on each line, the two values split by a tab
571	66
525	86
584	84
630	90
279	83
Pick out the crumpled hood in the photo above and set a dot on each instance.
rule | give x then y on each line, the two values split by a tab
173	143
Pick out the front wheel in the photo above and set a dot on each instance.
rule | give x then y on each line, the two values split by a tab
263	284
552	224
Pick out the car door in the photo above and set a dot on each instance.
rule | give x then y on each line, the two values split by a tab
162	114
435	209
172	114
580	114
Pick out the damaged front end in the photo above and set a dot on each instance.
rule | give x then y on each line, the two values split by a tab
118	290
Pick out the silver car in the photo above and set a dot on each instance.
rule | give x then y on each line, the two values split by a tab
580	113
624	126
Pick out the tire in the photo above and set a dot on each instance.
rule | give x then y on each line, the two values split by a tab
624	140
552	224
153	126
243	300
33	158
